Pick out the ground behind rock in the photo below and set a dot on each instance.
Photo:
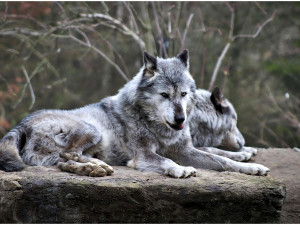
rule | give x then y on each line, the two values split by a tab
285	166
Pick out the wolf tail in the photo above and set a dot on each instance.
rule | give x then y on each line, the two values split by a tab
11	143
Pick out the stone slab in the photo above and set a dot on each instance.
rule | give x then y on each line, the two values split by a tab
47	195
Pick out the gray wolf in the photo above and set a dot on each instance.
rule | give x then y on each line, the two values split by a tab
213	123
144	126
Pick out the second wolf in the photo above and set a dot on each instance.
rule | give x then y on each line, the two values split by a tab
144	126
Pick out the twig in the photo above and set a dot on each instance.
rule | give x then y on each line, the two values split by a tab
7	85
84	36
188	23
161	41
261	8
96	50
134	23
199	12
106	9
169	23
225	50
36	70
258	29
203	64
132	17
18	30
180	39
63	10
231	38
22	17
142	22
116	22
111	47
30	87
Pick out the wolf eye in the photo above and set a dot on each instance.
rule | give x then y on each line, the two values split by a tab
165	95
183	94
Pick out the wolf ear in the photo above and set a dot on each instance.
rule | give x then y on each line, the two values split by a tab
218	101
184	57
150	64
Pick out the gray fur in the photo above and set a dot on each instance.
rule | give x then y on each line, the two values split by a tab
212	126
146	126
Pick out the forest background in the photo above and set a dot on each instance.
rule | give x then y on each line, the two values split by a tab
68	54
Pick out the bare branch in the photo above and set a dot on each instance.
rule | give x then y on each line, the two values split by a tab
203	64
225	50
111	47
118	23
199	13
169	23
106	9
161	41
133	18
261	8
134	23
259	29
84	36
96	50
217	67
30	87
36	70
188	23
17	30
62	9
180	39
13	16
231	9
231	38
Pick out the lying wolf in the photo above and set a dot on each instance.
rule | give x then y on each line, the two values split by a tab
144	126
213	123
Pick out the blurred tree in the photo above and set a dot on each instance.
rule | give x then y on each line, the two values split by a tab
69	54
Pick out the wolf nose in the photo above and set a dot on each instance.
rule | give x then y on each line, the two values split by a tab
179	119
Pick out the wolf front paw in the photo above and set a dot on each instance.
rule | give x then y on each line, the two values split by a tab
251	150
181	172
254	169
240	156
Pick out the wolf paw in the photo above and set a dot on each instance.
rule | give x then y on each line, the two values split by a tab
109	170
181	172
251	150
242	156
86	169
254	169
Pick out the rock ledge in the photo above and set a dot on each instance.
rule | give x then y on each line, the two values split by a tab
47	195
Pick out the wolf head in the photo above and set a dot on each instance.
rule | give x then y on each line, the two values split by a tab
232	138
213	122
166	91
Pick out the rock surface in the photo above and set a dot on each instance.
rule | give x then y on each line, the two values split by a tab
47	195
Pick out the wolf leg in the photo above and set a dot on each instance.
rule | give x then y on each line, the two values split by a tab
236	156
151	161
52	134
200	159
84	161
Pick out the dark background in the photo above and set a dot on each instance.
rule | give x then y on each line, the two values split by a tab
72	60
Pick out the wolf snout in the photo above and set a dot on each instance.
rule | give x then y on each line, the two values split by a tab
179	119
240	144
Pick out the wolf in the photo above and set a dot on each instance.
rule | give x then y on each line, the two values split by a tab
213	123
145	126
